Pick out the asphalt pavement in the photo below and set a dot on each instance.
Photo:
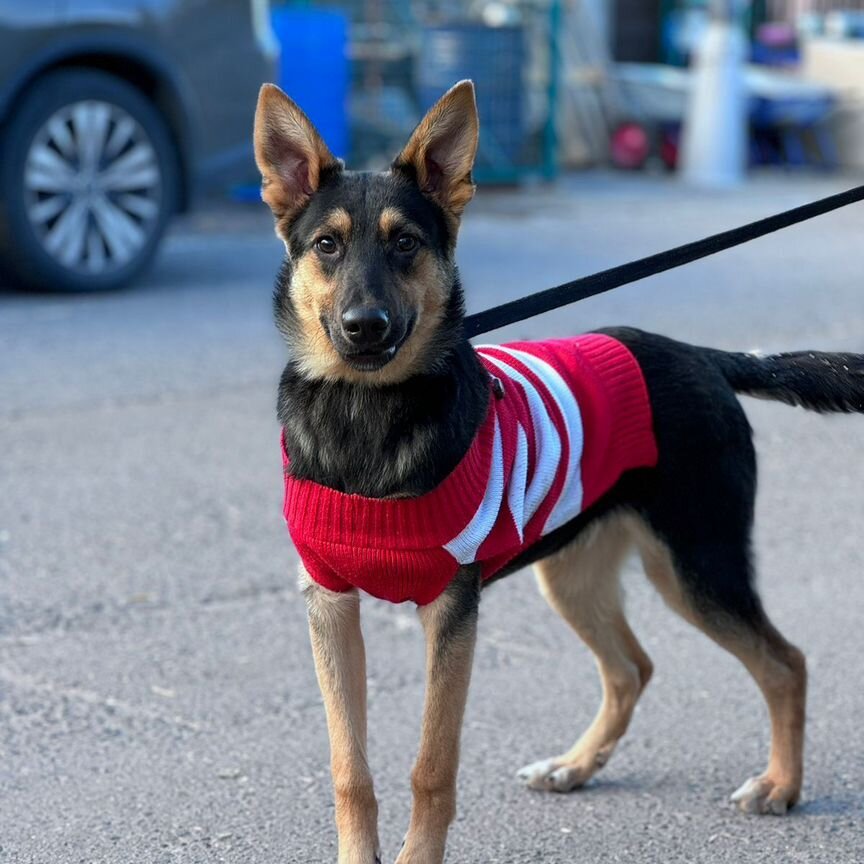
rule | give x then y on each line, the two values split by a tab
157	697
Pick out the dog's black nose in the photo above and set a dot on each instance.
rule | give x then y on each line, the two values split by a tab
365	326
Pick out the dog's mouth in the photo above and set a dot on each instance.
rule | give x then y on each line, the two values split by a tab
371	360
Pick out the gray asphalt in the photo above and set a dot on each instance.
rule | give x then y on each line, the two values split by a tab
157	696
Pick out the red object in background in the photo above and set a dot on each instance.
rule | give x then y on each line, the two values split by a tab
630	146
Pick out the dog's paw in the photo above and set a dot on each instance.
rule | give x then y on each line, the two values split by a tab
764	796
555	775
421	852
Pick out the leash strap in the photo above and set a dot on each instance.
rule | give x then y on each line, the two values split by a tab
606	280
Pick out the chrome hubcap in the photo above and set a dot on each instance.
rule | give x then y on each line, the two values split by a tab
93	187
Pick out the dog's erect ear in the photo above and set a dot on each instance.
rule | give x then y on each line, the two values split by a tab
290	153
442	148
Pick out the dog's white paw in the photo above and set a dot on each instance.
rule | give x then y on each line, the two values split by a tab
763	796
554	775
536	774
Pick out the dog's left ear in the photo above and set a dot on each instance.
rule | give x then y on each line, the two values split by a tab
440	153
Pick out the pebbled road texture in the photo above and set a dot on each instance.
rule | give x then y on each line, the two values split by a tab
157	697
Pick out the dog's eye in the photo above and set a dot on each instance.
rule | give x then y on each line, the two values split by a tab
326	244
406	243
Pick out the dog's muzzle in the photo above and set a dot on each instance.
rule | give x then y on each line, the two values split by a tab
368	337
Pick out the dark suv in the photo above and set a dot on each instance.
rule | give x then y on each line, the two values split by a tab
112	114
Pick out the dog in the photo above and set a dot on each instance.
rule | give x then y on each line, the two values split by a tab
392	428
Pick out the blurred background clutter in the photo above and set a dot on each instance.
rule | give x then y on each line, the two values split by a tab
116	114
565	84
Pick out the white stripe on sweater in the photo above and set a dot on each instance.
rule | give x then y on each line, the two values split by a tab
569	503
463	547
518	479
524	499
547	444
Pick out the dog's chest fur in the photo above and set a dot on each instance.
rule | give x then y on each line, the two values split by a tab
394	441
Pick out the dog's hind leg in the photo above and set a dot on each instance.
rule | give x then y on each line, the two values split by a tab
450	626
340	664
581	583
709	584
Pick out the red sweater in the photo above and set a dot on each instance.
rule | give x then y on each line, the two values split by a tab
573	417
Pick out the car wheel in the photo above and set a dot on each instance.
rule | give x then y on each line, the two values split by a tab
89	178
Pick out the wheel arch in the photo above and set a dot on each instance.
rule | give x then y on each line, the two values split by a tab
139	65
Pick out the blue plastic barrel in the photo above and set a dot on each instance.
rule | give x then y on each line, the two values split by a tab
313	68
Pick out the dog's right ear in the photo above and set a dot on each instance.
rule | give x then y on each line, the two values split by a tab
290	153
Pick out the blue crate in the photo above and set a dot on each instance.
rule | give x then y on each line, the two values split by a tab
493	57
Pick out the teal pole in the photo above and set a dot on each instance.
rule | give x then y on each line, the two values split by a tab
549	161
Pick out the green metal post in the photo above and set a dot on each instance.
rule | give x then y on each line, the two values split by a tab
550	130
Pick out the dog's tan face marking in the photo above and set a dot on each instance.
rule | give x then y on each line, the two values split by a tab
419	284
428	292
425	290
393	221
338	221
379	244
312	293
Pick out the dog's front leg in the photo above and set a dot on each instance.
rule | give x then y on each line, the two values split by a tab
450	625
340	663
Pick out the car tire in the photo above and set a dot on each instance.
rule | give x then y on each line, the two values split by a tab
88	181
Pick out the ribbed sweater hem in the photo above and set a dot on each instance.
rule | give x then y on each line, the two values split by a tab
428	521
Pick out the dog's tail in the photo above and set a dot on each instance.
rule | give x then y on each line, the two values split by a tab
814	380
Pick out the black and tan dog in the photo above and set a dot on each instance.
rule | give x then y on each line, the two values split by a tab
382	396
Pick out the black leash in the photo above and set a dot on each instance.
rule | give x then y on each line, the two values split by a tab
606	280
